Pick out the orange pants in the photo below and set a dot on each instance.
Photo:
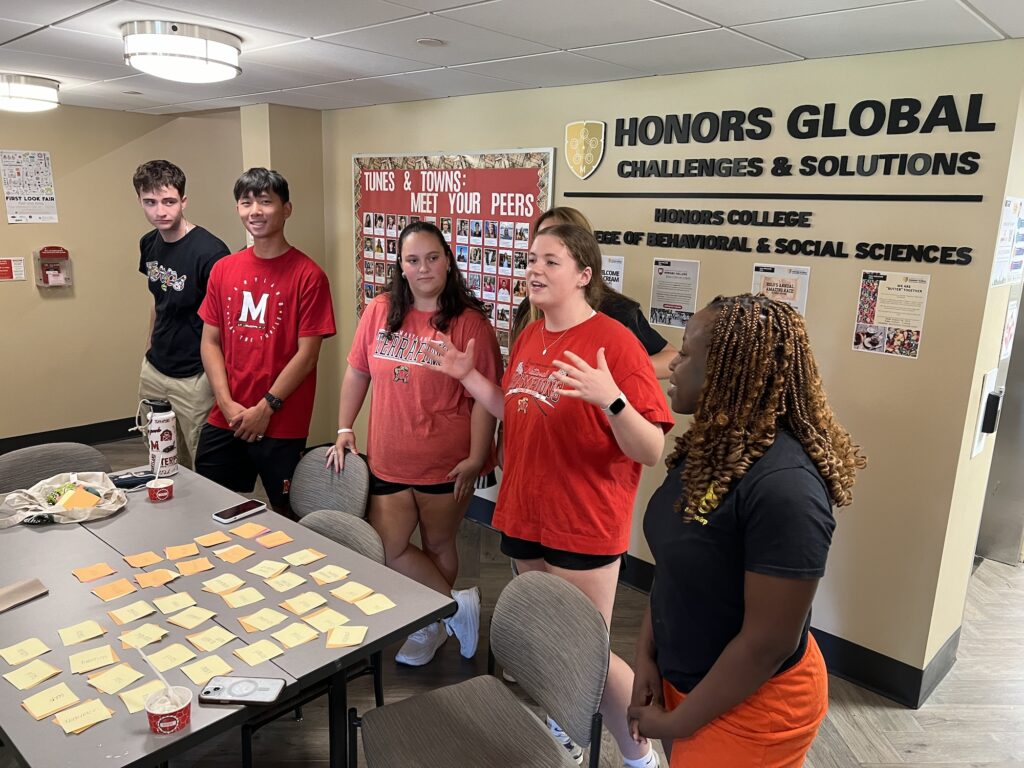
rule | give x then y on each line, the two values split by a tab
773	728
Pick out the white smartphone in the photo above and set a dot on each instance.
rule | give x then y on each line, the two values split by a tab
237	512
241	690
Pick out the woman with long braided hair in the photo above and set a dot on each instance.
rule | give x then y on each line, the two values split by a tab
727	672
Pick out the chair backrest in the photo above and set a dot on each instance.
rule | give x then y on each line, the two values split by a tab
348	530
315	486
549	635
25	467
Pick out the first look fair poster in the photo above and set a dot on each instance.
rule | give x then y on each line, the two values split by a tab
484	204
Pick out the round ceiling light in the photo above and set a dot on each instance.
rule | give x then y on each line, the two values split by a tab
24	93
186	53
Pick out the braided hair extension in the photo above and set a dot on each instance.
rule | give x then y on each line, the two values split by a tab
761	376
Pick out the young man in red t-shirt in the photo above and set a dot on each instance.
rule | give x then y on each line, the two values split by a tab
267	311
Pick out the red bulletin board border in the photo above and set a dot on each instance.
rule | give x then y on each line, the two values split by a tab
494	196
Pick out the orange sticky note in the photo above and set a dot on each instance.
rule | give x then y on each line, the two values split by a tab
142	559
180	551
114	590
249	530
212	539
275	539
188	567
93	572
156	578
233	553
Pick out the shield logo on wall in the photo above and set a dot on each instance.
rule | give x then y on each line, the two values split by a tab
584	147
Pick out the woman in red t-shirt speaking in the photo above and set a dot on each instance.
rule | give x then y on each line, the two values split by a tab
428	441
582	411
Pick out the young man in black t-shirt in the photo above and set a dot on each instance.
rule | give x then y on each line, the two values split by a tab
176	257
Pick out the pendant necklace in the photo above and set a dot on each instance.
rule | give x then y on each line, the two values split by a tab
544	337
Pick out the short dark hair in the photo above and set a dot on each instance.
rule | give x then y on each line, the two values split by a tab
255	181
156	174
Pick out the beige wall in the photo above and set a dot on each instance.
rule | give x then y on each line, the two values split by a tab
73	355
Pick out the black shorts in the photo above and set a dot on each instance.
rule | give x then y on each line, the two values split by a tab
522	549
234	463
380	487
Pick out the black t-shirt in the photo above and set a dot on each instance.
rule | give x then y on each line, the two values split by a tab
177	274
629	315
777	521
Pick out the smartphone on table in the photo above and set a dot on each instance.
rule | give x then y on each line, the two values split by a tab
226	689
238	511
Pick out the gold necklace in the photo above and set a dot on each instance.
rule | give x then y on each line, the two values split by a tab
544	336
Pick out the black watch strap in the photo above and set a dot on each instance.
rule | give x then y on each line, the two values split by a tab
275	403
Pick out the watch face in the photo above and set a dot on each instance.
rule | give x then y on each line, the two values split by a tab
617	405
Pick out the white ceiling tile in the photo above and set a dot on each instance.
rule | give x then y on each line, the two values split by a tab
109	95
694	52
169	109
12	29
576	23
1008	15
731	12
553	69
255	78
44	12
57	66
464	44
298	98
433	5
432	84
916	24
332	62
99	49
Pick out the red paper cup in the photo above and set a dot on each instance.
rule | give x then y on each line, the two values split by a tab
164	716
161	489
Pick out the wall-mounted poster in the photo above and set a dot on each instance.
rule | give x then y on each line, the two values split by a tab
674	292
28	187
1008	264
890	313
484	204
783	283
612	270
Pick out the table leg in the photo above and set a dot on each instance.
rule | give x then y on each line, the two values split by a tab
337	714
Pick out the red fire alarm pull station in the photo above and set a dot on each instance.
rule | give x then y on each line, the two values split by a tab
53	267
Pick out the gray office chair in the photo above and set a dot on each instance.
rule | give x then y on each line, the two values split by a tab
314	486
25	467
555	642
348	530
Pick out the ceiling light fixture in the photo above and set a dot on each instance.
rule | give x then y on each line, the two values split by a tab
186	53
24	93
430	42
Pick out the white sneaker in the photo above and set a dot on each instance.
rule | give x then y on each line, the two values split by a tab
421	646
575	750
465	624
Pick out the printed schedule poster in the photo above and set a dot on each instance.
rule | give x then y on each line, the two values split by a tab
674	292
28	187
890	313
612	270
484	204
783	283
1008	264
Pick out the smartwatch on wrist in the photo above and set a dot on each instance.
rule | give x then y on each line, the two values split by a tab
275	403
615	406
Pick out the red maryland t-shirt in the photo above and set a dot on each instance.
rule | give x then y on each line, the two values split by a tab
263	307
566	482
419	417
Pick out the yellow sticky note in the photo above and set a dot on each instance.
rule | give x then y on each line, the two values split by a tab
77	719
374	604
233	554
352	592
24	651
325	619
143	559
48	702
156	578
223	584
345	637
192	617
171	657
114	590
285	581
173	603
202	671
275	539
189	567
295	634
242	597
304	603
258	652
262	620
81	632
94	658
211	639
31	674
132	612
142	636
112	680
212	539
249	530
135	699
268	569
329	574
181	550
304	557
92	572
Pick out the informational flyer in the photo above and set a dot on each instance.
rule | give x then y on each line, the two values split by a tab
484	204
674	292
1009	328
612	270
890	313
28	187
783	283
1008	264
12	269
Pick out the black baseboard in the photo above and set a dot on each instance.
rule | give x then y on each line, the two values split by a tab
103	432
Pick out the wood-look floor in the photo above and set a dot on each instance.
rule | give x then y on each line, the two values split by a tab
974	718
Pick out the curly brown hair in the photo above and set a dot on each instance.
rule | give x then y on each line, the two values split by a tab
760	377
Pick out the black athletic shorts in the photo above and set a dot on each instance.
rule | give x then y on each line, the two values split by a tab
522	549
380	487
235	464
